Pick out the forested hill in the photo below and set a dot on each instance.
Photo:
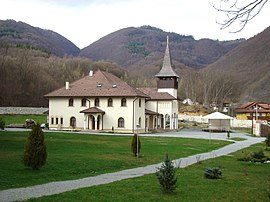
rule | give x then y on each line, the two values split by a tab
26	36
136	47
249	65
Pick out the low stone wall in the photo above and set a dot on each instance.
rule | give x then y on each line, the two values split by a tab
23	110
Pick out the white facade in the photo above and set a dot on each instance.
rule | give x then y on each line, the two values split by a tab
61	114
171	91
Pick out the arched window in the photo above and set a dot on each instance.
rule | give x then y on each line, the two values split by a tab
121	123
140	122
123	102
97	102
140	102
83	102
110	102
52	120
70	102
73	122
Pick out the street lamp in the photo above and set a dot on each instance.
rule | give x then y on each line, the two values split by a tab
137	126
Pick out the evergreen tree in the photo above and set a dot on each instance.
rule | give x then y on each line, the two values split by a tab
267	141
35	152
166	176
134	145
2	123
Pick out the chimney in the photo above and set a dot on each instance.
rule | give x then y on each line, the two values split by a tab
67	85
91	73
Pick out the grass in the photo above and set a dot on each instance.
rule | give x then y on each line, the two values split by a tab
20	118
244	130
74	156
237	139
241	181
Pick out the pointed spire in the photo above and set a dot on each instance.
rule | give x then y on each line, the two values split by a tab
166	70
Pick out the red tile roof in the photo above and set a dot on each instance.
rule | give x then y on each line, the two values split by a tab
101	84
149	112
155	95
92	110
250	107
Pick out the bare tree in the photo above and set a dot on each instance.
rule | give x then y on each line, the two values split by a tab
239	11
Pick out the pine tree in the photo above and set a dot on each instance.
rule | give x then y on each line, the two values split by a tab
166	176
35	152
134	145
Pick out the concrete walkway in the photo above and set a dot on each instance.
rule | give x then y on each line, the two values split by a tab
52	188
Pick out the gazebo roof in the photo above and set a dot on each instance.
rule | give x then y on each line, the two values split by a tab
218	115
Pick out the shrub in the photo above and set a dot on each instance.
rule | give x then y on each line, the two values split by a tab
255	157
134	145
35	152
212	173
166	176
2	123
258	155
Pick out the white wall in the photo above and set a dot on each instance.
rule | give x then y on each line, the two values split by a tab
234	123
165	108
171	91
58	107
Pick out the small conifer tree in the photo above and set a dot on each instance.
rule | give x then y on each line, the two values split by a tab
35	152
166	176
135	146
267	141
2	123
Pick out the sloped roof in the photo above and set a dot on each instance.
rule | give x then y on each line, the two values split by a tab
155	95
218	115
167	70
149	112
101	84
92	110
249	107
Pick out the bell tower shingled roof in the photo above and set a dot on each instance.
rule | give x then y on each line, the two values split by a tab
167	70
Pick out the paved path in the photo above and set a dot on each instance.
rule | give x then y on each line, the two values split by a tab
63	186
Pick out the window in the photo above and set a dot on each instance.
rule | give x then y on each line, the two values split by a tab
52	120
73	122
56	120
140	102
123	102
97	102
140	122
121	123
61	120
110	102
83	102
70	102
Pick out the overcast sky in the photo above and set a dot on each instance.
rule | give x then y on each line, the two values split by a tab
85	21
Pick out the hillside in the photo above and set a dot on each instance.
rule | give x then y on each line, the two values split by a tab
25	36
250	65
134	48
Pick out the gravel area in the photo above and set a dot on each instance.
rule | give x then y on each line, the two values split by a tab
19	194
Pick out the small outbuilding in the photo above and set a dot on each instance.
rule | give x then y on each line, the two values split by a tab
218	122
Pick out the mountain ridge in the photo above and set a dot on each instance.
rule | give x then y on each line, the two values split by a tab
24	35
131	46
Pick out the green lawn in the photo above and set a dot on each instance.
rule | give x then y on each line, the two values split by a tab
20	118
241	181
73	156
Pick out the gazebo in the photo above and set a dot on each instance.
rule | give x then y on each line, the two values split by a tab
218	122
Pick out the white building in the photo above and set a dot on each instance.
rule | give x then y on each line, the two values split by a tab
102	101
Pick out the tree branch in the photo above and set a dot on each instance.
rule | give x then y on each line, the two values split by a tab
242	14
